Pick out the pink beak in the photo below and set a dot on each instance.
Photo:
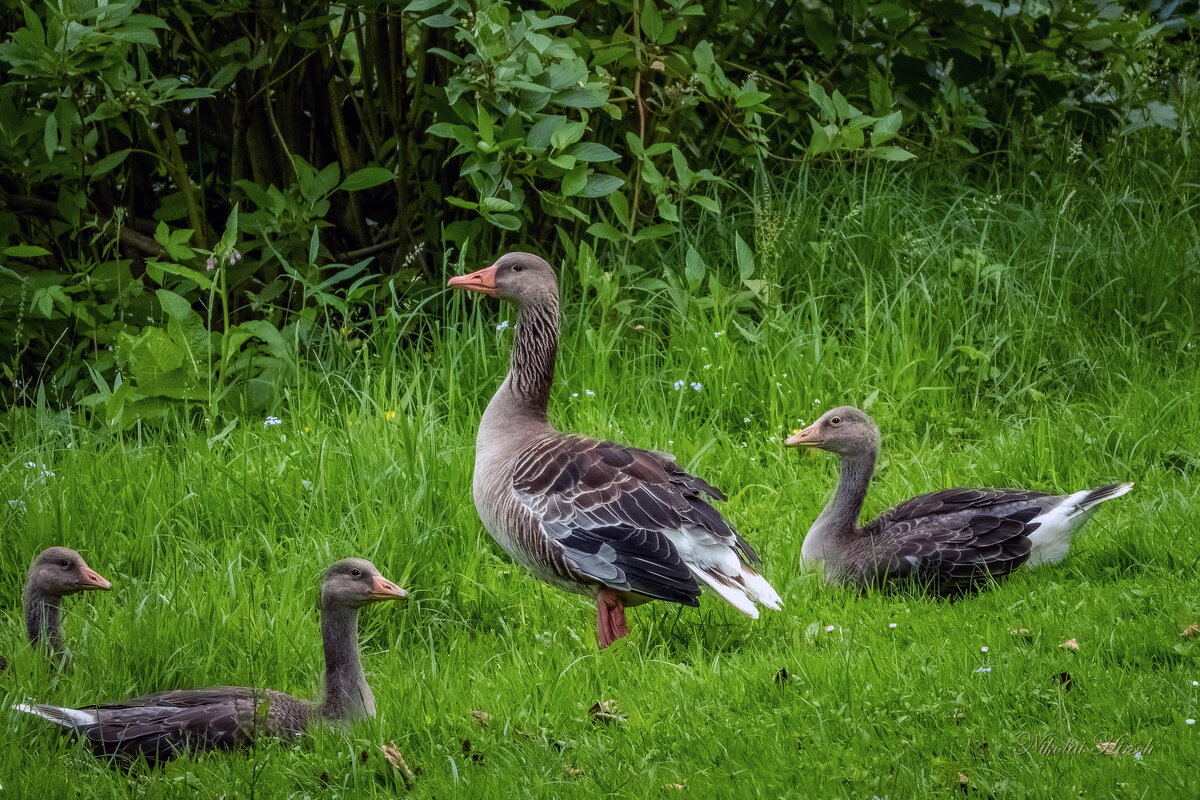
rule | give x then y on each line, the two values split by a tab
483	281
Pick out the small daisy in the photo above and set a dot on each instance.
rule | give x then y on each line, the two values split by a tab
589	392
891	624
983	649
271	421
830	628
574	394
718	334
745	419
1190	721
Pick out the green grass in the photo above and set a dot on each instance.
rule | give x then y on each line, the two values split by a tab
1036	331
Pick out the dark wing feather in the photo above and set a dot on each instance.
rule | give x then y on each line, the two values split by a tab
160	726
951	501
950	554
604	507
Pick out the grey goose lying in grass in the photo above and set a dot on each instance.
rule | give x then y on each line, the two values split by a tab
55	573
161	726
949	541
615	523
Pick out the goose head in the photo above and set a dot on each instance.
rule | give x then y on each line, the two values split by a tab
354	582
522	278
60	571
844	430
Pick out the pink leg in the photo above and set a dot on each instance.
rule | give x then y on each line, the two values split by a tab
610	618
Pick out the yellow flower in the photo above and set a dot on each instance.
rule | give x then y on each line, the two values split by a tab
345	331
389	416
307	429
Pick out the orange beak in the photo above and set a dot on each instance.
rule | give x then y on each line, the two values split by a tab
483	281
93	580
804	438
383	589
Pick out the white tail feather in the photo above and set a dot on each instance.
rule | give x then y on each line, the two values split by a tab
67	717
733	595
760	591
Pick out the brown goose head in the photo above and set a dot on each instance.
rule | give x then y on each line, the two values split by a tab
844	430
60	571
522	278
354	582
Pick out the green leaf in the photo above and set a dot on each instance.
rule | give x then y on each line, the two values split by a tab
594	151
108	163
440	21
422	5
509	222
50	135
26	251
175	306
892	153
751	98
575	180
709	204
603	230
366	178
694	267
601	185
745	258
567	135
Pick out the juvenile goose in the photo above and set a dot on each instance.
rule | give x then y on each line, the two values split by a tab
161	726
614	523
950	541
55	573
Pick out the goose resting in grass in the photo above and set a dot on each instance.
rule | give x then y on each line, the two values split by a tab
950	541
55	573
615	523
161	726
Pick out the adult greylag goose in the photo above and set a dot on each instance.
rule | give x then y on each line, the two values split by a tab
55	573
949	541
161	726
615	523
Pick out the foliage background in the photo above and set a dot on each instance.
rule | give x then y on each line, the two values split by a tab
193	195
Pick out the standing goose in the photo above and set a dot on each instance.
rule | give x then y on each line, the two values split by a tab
950	541
55	573
615	523
160	726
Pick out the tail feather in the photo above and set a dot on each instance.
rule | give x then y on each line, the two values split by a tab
736	596
72	718
1098	496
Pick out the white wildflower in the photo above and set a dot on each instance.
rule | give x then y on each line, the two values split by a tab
830	628
47	473
696	386
1190	721
745	419
502	326
891	624
679	384
718	334
574	394
984	669
30	465
269	421
983	649
16	505
589	392
707	366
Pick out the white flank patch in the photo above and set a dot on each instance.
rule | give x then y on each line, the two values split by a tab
1052	539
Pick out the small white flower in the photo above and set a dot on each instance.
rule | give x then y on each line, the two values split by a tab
30	465
745	419
589	392
574	394
1195	683
269	421
718	334
830	628
502	325
785	374
307	484
1137	756
697	386
679	384
983	649
816	402
707	366
670	441
1190	721
984	669
47	473
891	624
16	505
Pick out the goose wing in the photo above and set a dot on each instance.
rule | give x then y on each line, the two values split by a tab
160	726
952	551
949	502
620	516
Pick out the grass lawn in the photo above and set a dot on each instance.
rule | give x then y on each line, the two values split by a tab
1039	331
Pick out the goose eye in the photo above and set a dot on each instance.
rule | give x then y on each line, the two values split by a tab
65	564
835	421
356	573
518	267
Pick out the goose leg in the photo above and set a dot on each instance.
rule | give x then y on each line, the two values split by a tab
610	618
